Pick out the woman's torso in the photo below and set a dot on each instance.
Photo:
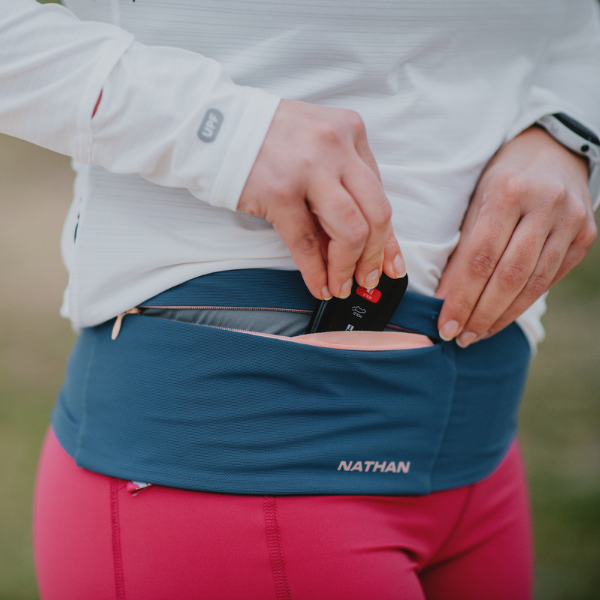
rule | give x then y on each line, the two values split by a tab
438	84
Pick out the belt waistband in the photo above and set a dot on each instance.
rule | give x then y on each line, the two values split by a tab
197	407
268	288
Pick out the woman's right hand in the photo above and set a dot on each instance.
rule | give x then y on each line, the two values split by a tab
316	181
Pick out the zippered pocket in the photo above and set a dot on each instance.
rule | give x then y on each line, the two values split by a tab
284	324
275	321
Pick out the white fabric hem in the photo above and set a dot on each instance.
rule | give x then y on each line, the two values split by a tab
243	149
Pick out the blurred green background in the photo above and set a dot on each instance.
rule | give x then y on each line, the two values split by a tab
560	417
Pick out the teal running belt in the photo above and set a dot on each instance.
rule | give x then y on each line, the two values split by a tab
203	408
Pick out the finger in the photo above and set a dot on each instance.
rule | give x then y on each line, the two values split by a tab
561	253
553	265
511	275
458	255
552	256
322	236
451	268
487	243
344	224
579	247
363	150
365	188
296	227
393	261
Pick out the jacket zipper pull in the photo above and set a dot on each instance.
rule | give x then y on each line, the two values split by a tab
117	325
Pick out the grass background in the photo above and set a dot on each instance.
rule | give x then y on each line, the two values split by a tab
560	416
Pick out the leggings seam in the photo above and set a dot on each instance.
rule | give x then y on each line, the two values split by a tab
282	590
459	520
116	539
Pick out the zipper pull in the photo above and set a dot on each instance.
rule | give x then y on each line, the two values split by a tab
117	325
135	487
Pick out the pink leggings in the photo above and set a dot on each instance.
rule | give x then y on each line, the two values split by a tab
95	540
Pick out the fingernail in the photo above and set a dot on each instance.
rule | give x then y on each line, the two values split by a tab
484	336
466	338
372	279
399	267
346	289
448	330
325	293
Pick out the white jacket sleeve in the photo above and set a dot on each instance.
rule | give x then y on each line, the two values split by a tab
171	115
568	80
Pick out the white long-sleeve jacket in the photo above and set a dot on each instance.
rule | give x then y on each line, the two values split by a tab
440	84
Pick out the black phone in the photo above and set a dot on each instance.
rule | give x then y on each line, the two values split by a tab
363	310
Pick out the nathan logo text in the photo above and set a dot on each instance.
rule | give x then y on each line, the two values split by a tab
373	466
210	125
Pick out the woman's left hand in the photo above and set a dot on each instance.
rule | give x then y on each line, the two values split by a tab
529	223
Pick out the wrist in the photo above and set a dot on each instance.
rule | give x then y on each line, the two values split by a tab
573	135
536	148
568	154
580	140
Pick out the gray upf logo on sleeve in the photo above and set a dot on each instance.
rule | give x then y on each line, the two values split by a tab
210	125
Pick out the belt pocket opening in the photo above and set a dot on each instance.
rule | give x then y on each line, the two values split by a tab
286	324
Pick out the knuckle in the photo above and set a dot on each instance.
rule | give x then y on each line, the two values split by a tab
554	192
587	236
512	187
278	190
357	231
383	215
330	132
481	266
461	308
373	258
308	243
580	214
354	122
512	275
537	285
307	162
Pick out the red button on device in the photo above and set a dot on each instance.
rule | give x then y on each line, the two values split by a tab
370	295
